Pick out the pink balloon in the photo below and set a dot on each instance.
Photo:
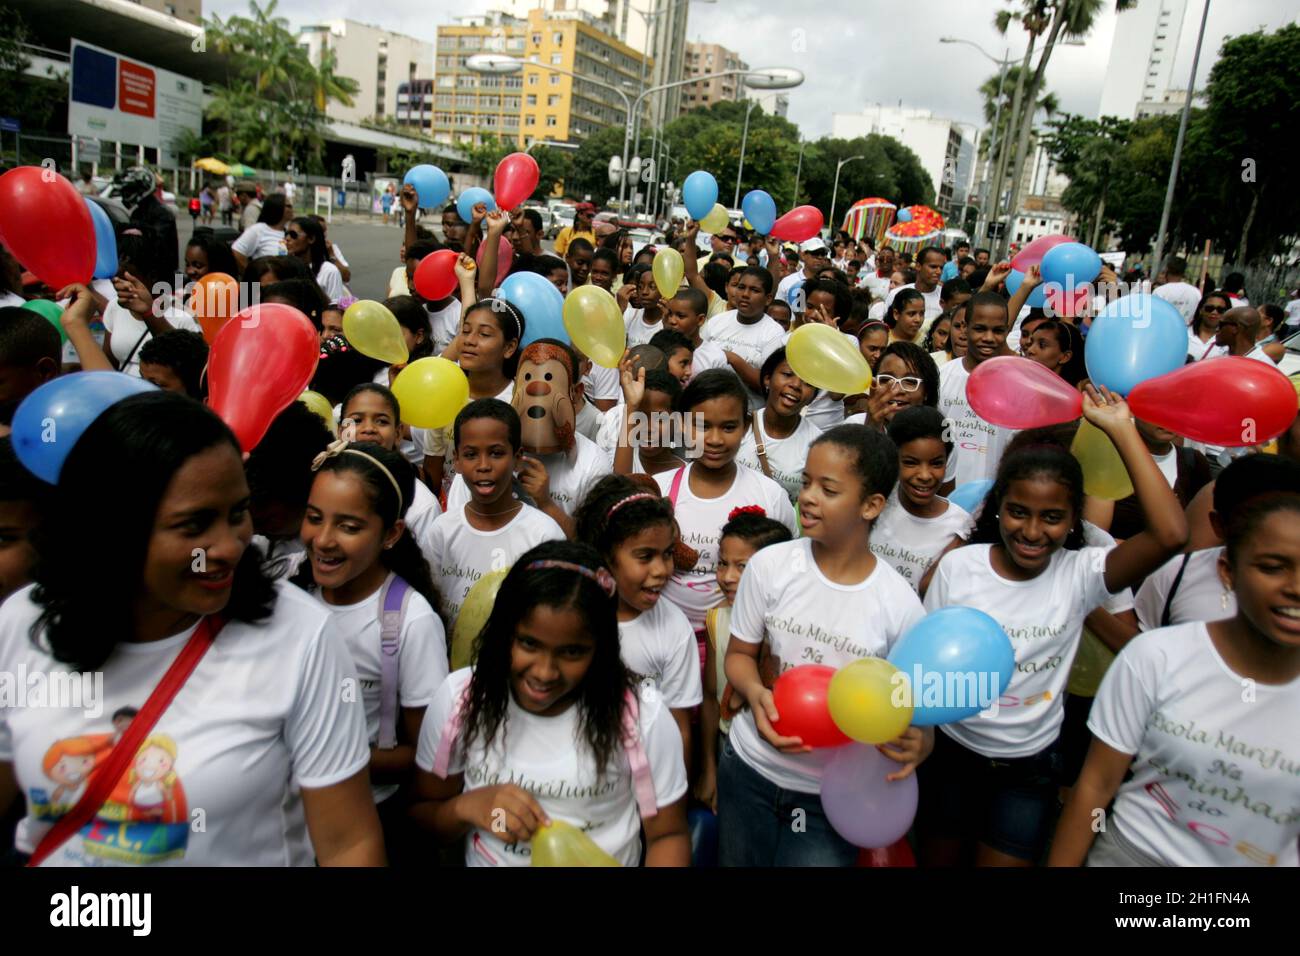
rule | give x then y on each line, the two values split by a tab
800	223
505	255
516	178
1017	392
1068	304
1032	254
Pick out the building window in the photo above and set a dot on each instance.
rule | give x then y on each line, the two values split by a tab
553	99
532	99
532	79
514	82
557	39
529	120
557	59
551	121
537	39
555	79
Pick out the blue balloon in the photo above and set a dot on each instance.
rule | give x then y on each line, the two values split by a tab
760	209
541	304
703	827
1070	265
470	198
1135	338
105	241
958	661
970	495
431	184
904	215
51	419
1037	299
699	193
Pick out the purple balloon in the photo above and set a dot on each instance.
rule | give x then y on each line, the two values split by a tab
863	807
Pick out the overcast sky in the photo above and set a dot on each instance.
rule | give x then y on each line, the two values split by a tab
856	52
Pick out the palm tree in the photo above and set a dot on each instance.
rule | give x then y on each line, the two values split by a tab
1047	103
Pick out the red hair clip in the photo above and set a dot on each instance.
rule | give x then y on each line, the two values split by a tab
747	510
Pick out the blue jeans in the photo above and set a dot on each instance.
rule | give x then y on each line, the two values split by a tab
760	824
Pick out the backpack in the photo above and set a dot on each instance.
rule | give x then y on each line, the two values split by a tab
392	611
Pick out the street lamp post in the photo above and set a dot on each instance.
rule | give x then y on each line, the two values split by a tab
744	139
835	193
798	169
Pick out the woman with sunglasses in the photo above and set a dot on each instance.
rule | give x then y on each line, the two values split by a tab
1205	325
305	239
906	376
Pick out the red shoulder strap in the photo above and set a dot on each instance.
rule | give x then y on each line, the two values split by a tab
676	485
110	772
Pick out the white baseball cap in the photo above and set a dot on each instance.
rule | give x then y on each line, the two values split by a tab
815	244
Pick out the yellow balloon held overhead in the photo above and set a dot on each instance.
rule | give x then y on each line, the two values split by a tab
595	323
668	269
319	404
716	220
372	330
826	358
562	844
474	613
431	391
1104	474
864	699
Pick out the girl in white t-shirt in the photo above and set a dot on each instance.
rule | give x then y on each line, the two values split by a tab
991	789
778	438
918	526
258	735
549	726
358	551
305	239
823	599
633	529
1194	726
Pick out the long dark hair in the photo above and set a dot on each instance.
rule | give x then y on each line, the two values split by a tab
316	235
1041	456
603	522
1070	339
220	258
510	320
901	300
128	456
411	315
920	364
603	689
404	558
1213	294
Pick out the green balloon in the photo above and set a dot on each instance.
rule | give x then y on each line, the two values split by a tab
51	311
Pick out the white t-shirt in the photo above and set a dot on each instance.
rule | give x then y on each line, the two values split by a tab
910	544
547	756
785	456
638	333
260	717
1199	596
807	619
788	288
445	323
569	478
126	330
422	511
877	285
259	240
1214	775
977	444
459	554
330	281
1183	296
660	645
1197	350
1044	619
823	411
589	421
932	307
421	658
701	521
602	383
753	342
438	442
397	283
706	356
338	256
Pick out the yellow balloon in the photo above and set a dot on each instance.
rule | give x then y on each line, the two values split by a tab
1104	474
431	391
474	613
668	269
826	358
1090	664
373	330
595	323
716	219
319	404
562	844
866	701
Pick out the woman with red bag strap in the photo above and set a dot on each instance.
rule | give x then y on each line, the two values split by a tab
217	714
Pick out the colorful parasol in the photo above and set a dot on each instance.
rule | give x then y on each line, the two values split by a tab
869	217
924	228
212	165
242	171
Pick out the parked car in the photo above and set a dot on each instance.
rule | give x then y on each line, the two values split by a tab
1290	361
562	216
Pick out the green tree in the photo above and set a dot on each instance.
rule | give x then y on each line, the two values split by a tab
30	100
1087	152
996	139
553	165
589	168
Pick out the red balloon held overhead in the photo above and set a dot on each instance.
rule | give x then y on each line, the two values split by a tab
896	855
1069	305
32	198
1017	392
1232	401
800	223
800	698
261	360
435	276
516	178
1032	254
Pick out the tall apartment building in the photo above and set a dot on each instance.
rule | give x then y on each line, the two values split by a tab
379	60
703	59
1141	57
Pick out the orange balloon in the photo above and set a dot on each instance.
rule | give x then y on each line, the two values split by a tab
214	300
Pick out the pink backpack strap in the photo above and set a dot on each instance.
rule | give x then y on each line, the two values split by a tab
642	782
451	734
676	485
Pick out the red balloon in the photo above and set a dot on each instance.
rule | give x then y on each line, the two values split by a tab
505	256
898	855
1232	401
32	200
1068	304
1032	254
516	178
435	276
261	360
800	698
800	223
1017	392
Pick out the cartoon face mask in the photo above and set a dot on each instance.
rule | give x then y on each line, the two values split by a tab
544	399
